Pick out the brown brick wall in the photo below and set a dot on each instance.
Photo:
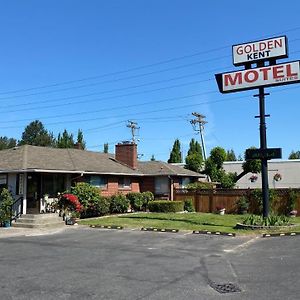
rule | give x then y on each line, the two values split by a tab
113	187
127	154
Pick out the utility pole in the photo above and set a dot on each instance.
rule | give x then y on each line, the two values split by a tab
200	120
133	126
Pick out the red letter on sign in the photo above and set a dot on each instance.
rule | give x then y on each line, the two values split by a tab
289	71
265	72
232	81
277	71
254	77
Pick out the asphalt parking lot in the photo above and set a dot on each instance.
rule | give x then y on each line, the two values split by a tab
86	263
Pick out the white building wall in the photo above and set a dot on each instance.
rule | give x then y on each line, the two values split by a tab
288	169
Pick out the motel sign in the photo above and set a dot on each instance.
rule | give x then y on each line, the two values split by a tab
266	73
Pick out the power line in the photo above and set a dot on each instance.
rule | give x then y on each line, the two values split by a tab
111	97
139	67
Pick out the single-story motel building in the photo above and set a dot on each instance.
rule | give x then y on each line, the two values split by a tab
30	172
281	174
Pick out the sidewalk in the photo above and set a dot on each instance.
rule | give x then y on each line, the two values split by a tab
15	231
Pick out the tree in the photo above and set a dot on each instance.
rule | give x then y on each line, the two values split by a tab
7	143
214	168
80	139
152	158
35	134
194	159
105	148
294	155
249	166
230	155
175	155
65	140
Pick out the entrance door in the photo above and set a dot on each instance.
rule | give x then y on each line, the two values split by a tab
33	193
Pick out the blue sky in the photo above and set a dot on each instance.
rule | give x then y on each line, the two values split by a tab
94	65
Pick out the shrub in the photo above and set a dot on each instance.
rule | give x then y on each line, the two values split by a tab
99	207
148	197
118	203
6	201
165	206
188	205
194	186
242	204
137	201
272	220
86	193
291	201
258	201
93	203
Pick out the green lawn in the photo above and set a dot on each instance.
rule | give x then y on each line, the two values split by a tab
186	221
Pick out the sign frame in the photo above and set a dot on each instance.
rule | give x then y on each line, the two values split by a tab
219	79
269	153
253	61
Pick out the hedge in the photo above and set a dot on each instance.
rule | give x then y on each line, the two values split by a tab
165	206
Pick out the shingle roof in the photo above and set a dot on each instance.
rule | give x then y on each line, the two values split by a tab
29	157
158	168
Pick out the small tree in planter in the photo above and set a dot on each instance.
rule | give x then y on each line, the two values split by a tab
6	201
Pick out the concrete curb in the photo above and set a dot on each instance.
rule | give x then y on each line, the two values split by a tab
159	229
107	227
214	233
266	235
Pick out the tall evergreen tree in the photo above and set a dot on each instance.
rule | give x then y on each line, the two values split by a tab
230	155
6	143
105	148
35	134
65	140
175	155
80	139
294	155
194	159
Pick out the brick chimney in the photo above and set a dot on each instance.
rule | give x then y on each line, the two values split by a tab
126	153
78	146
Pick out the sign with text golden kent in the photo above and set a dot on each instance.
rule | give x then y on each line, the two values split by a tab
272	48
272	75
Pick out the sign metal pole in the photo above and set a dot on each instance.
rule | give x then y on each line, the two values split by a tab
263	147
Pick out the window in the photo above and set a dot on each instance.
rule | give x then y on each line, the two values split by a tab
52	184
161	185
98	181
124	182
3	181
184	181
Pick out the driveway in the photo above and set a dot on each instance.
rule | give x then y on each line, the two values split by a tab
86	263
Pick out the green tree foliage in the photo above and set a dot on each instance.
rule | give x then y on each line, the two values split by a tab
218	156
105	148
80	139
230	155
65	140
175	155
294	155
194	162
214	168
194	159
7	143
35	134
250	166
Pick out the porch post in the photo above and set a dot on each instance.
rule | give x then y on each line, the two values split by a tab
24	194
